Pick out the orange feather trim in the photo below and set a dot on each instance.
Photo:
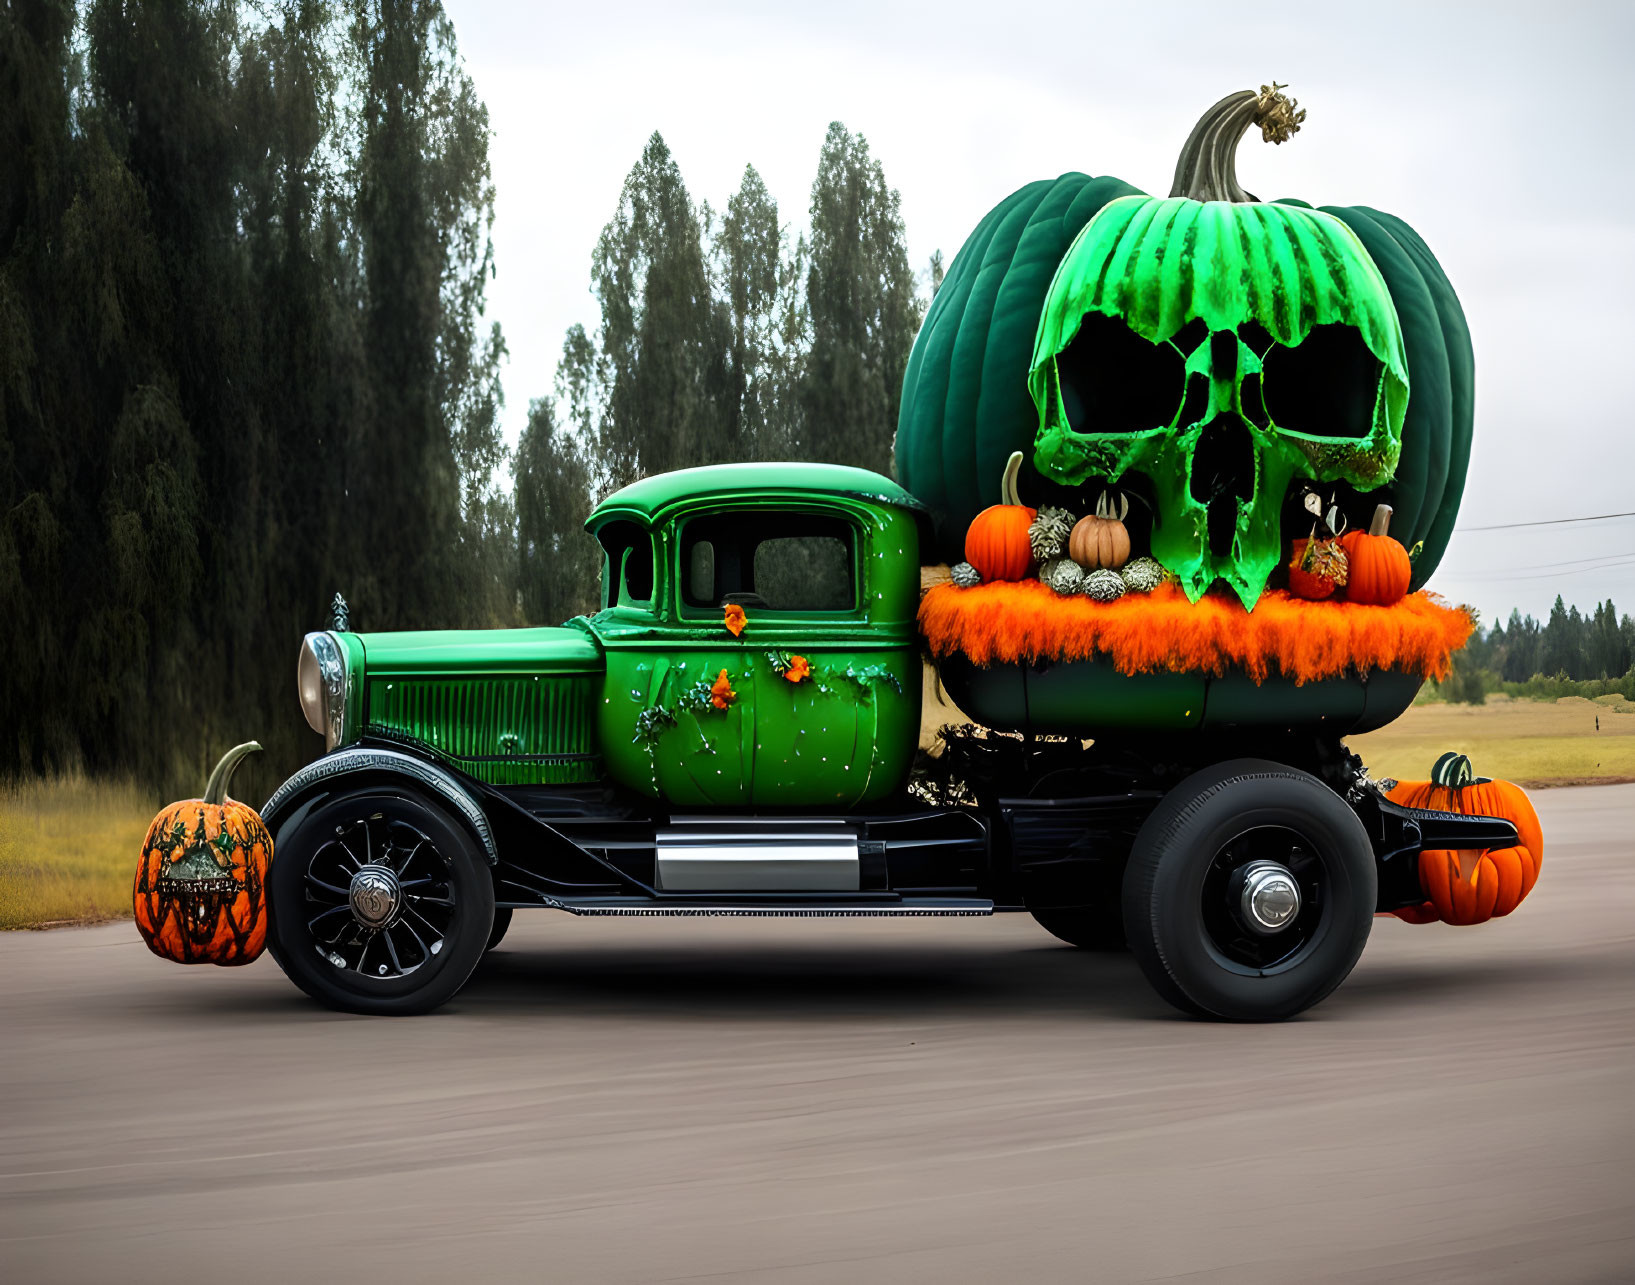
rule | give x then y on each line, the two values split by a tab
1163	632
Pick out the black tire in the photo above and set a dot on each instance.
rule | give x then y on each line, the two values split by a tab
1100	929
1183	923
425	949
502	921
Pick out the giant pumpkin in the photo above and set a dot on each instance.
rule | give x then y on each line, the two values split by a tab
200	894
1209	351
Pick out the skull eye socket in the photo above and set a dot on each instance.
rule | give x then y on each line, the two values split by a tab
1114	381
1324	387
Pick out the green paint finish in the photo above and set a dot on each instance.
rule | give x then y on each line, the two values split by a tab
845	736
536	729
508	706
1156	265
481	651
965	405
653	500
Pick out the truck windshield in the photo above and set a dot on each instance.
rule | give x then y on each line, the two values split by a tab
776	561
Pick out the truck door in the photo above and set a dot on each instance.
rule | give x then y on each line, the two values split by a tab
821	685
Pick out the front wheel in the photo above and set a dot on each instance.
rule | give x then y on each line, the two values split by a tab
381	903
1249	892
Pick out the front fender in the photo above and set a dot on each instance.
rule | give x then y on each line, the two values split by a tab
373	761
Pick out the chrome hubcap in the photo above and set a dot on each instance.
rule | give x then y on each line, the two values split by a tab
1270	899
375	895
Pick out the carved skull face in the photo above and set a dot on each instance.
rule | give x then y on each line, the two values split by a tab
1220	351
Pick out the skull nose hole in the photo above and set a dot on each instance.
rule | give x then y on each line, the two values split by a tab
1223	472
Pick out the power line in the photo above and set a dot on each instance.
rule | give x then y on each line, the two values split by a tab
1507	526
1502	576
1548	566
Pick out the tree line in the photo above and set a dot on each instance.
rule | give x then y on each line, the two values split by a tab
245	362
1569	645
719	340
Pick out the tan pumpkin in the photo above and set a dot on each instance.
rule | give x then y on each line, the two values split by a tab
997	543
1101	541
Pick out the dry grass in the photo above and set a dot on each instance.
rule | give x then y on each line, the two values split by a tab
1529	742
68	850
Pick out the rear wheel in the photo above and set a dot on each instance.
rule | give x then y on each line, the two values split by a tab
381	903
1249	893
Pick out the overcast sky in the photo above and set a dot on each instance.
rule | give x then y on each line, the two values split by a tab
1501	132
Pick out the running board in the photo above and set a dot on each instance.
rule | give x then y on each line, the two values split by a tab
968	907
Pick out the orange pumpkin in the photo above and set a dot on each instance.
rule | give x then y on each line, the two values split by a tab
200	894
1471	887
996	543
1101	541
1377	565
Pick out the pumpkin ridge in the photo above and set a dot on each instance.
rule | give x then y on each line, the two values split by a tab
1450	314
1416	489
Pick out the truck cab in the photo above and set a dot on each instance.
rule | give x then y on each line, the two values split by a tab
809	694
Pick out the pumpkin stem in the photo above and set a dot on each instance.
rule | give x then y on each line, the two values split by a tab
1453	771
215	790
1008	493
1207	170
1381	525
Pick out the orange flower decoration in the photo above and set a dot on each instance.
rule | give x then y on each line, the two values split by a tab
800	669
734	620
721	693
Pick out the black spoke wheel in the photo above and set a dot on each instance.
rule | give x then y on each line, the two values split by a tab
381	903
1249	893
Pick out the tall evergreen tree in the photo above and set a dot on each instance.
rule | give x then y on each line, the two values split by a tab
661	359
558	563
760	284
242	259
423	214
864	312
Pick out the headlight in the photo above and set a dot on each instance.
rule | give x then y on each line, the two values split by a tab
320	678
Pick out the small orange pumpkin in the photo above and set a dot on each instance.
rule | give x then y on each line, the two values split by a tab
996	543
1101	540
1471	887
1379	569
200	894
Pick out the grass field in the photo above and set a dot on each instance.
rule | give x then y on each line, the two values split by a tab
1533	743
68	848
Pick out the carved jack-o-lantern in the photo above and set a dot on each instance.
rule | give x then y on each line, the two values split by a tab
1207	352
200	894
1219	348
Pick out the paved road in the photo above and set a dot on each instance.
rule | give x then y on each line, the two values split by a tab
784	1101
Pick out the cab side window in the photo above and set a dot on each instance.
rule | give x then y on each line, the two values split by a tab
627	579
775	561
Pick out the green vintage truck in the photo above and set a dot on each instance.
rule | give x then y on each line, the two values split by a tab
735	732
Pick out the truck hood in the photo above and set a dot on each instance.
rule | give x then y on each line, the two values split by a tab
450	653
